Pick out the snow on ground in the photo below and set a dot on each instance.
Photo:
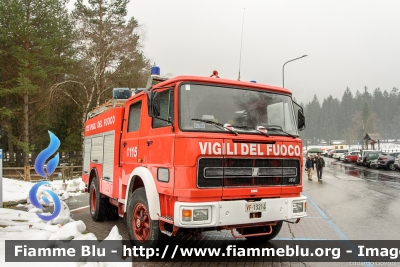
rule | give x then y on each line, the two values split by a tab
26	225
15	190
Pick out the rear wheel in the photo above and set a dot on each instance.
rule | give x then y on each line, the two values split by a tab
143	231
262	229
100	206
97	204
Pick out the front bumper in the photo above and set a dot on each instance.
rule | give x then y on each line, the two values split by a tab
374	165
224	213
382	164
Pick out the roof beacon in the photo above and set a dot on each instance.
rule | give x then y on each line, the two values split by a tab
155	71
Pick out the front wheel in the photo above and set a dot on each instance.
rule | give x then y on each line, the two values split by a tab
143	231
392	167
262	229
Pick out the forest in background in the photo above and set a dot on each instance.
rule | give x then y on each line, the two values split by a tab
353	116
56	65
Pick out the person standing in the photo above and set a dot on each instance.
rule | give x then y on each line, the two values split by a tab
309	166
320	164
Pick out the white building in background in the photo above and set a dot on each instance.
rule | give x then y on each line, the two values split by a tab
339	144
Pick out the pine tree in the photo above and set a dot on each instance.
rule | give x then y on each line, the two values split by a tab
109	44
35	35
313	115
108	56
346	112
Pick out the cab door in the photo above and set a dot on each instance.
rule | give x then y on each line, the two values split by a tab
159	143
131	133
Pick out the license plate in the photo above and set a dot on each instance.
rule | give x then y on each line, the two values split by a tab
256	206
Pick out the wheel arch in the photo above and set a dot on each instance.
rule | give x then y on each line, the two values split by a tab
93	173
146	178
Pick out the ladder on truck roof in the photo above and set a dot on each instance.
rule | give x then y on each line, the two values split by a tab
109	104
112	103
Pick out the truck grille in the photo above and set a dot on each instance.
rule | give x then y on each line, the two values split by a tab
232	172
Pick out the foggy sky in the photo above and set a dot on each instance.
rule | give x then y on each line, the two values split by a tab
349	43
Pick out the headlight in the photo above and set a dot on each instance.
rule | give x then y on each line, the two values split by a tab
298	207
200	215
196	215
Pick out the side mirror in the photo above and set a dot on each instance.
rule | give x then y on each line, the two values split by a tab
153	103
301	120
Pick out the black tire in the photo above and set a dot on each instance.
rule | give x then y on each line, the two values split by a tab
391	166
97	204
142	231
100	207
112	212
264	238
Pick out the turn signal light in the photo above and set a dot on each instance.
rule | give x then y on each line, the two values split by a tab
186	215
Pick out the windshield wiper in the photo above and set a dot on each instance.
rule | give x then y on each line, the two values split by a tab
250	128
171	123
279	128
167	120
218	125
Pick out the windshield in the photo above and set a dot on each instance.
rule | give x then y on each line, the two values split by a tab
237	107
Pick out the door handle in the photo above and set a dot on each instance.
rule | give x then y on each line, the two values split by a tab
124	144
149	142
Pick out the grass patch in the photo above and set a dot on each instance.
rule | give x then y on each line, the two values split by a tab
19	220
3	226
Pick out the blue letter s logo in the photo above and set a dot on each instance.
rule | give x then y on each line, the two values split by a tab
39	168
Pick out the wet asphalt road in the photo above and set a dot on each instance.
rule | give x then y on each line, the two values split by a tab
362	202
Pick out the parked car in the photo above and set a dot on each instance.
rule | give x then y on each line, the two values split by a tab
343	156
352	157
370	156
326	152
374	164
397	162
338	153
386	161
360	159
330	154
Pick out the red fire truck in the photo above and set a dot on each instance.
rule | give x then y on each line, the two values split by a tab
195	154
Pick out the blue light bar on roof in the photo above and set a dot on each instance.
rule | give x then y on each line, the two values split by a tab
155	71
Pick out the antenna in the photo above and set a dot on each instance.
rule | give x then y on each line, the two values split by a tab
241	41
